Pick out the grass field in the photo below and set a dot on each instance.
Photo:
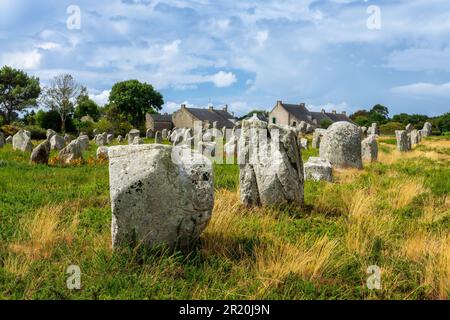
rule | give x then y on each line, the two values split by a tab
394	214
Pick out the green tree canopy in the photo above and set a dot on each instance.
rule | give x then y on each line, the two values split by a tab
18	92
85	106
134	99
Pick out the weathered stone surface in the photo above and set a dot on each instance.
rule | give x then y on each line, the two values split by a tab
363	131
133	134
150	133
303	143
369	149
71	152
41	153
302	127
403	143
156	200
137	140
415	138
83	141
373	130
310	128
231	146
101	139
317	137
56	142
409	127
341	145
67	139
9	140
119	139
50	133
22	141
207	148
164	134
271	168
109	138
2	140
427	129
318	169
96	132
102	153
158	138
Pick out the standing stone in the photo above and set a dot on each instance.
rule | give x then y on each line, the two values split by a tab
317	136
101	139
158	138
133	134
56	142
403	142
50	133
156	200
318	169
271	168
415	139
164	134
341	145
303	143
373	129
363	131
310	128
41	153
150	133
369	149
231	147
119	139
95	132
102	153
83	142
2	140
67	139
109	138
72	152
137	140
9	140
409	127
427	129
22	141
303	127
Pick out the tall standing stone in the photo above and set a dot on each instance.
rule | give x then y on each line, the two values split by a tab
414	135
317	136
373	130
369	149
403	143
157	200
341	145
22	141
409	127
41	153
271	168
427	129
133	134
71	152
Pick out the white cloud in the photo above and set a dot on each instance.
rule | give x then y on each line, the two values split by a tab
424	90
223	79
171	106
21	59
100	98
418	59
330	106
48	46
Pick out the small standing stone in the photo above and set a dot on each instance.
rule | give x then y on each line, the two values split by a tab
102	153
137	140
109	138
164	134
50	133
119	139
67	139
22	141
133	134
317	136
158	138
318	169
427	129
83	142
403	142
41	153
9	140
2	140
304	143
150	133
369	149
56	142
72	152
101	139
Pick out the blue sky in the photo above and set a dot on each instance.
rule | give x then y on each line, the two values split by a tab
247	54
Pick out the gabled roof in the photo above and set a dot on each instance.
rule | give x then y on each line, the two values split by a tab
222	117
335	117
299	111
320	116
161	117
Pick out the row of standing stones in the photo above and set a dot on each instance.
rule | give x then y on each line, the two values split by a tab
157	201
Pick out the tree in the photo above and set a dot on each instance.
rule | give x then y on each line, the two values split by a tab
134	99
325	123
443	122
379	114
61	96
85	106
18	92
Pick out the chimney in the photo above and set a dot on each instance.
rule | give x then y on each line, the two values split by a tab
334	111
323	110
279	103
225	108
211	108
183	106
302	104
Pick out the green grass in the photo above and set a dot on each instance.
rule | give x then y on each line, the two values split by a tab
320	251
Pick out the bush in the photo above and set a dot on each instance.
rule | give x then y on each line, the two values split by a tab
104	125
9	130
390	127
37	133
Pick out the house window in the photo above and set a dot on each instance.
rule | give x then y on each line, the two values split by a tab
274	120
